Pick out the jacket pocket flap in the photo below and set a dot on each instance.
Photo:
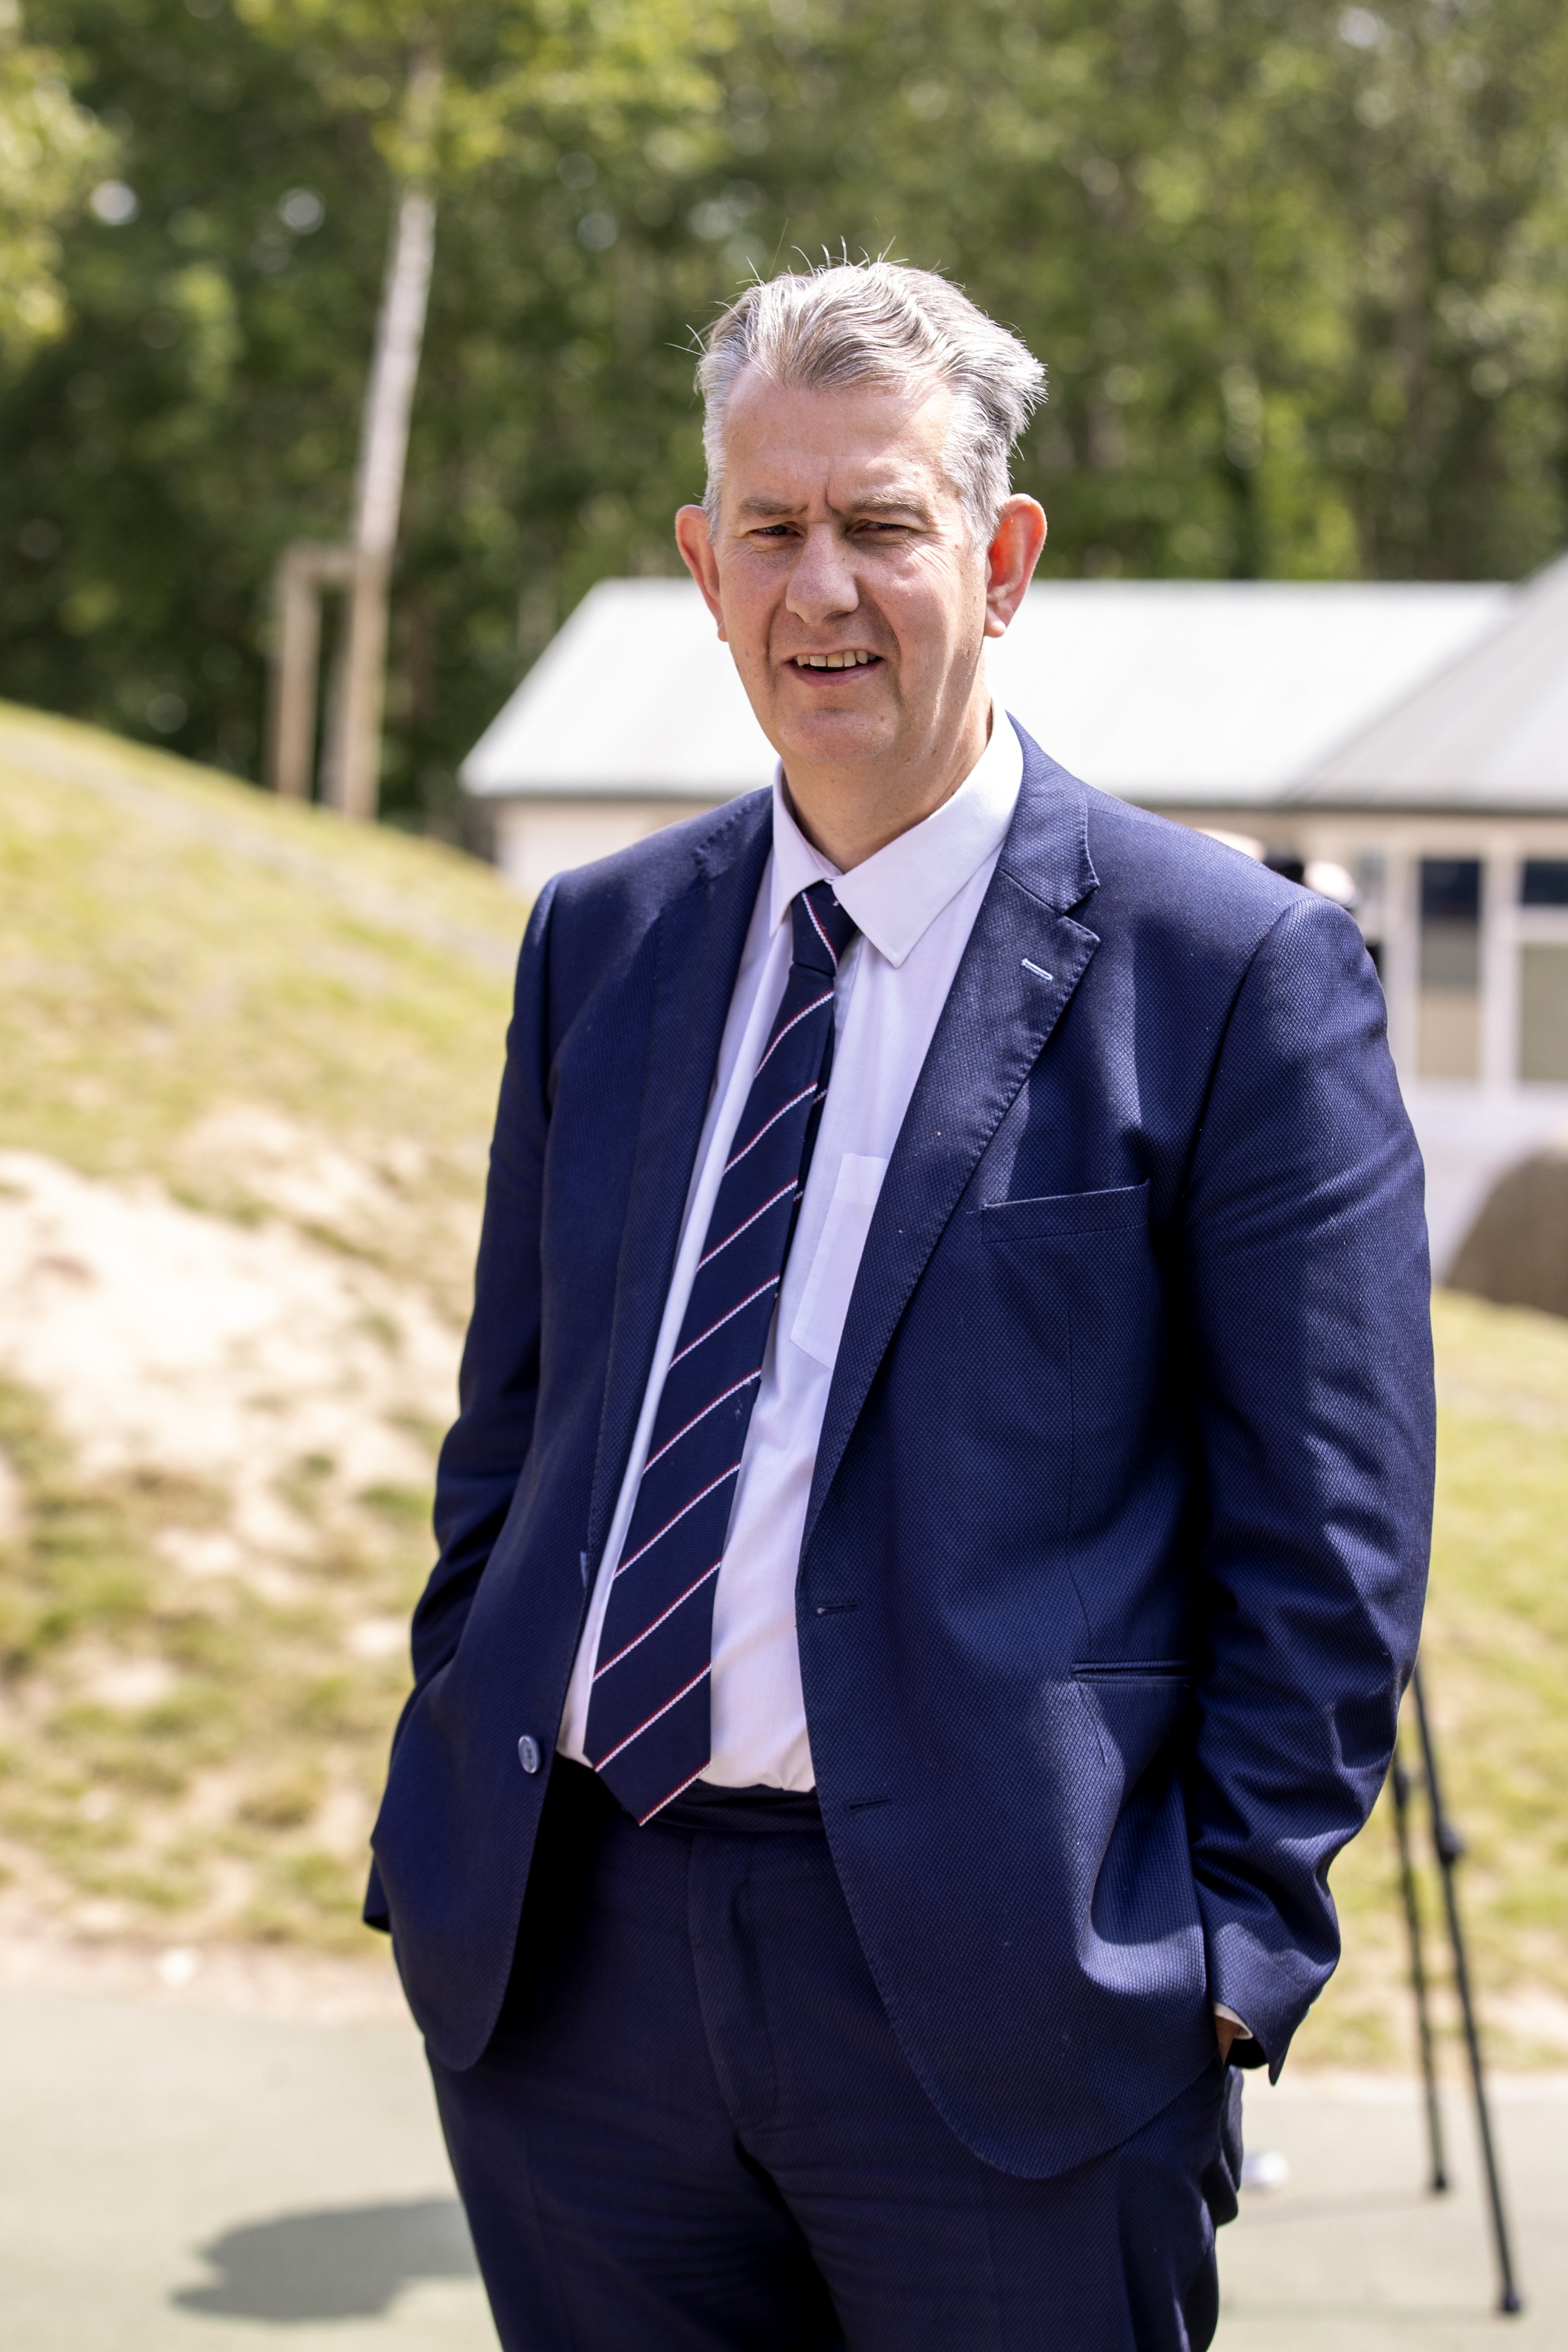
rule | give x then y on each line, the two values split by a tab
1065	1213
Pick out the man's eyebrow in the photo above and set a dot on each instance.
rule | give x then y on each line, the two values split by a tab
908	502
877	502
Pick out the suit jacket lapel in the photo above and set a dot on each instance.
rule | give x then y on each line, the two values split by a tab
1023	960
696	953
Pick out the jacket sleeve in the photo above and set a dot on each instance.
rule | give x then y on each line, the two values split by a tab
486	1450
1308	1292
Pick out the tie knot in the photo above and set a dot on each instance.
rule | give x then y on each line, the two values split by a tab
823	932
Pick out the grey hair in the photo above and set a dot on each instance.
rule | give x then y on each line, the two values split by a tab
881	323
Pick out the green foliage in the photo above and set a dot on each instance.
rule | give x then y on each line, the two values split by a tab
1295	272
1266	252
50	150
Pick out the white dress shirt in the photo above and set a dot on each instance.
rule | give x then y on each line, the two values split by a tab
915	902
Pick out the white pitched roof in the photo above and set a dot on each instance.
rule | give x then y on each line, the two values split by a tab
1491	727
1160	690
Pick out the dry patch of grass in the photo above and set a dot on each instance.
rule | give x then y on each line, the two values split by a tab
185	1756
1496	1662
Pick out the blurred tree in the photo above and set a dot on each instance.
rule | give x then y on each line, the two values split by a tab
206	408
51	151
1296	271
1289	265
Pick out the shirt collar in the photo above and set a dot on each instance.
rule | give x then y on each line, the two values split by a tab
896	895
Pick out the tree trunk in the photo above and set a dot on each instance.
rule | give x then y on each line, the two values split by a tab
353	752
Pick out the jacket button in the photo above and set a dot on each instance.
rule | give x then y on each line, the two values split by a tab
528	1753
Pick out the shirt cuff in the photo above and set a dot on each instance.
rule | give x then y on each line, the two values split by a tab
1243	2033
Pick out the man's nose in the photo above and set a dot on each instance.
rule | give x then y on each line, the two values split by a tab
823	585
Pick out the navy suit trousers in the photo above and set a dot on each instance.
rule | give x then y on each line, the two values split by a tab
694	2131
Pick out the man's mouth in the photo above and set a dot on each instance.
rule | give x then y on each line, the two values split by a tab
853	658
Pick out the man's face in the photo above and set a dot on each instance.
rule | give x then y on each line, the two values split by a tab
843	572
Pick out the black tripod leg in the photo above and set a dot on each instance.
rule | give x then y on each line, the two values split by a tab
1400	1780
1450	1847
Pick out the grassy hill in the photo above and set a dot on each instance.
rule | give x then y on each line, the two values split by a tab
247	1061
1495	1660
265	1048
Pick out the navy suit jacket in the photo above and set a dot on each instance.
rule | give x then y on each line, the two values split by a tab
1113	1564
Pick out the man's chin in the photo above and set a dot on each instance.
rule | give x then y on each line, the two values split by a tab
830	739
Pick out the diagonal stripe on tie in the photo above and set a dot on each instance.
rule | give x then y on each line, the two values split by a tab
649	1711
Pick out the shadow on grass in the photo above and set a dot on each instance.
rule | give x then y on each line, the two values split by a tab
347	2263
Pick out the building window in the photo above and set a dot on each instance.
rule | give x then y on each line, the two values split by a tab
1449	1028
1544	882
1287	863
1544	1015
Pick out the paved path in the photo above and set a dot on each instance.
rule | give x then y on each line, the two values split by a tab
1352	2255
172	2180
175	2180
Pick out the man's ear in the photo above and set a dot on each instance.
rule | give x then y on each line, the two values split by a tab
1010	560
696	545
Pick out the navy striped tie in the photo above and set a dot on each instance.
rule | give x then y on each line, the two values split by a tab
649	1726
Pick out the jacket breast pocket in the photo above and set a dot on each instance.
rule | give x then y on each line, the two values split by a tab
1077	1310
1132	1670
1124	1207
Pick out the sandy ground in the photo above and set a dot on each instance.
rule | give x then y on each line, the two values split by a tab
167	1338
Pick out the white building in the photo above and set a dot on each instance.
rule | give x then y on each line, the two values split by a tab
1403	747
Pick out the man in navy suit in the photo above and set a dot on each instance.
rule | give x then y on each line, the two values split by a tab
934	1536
